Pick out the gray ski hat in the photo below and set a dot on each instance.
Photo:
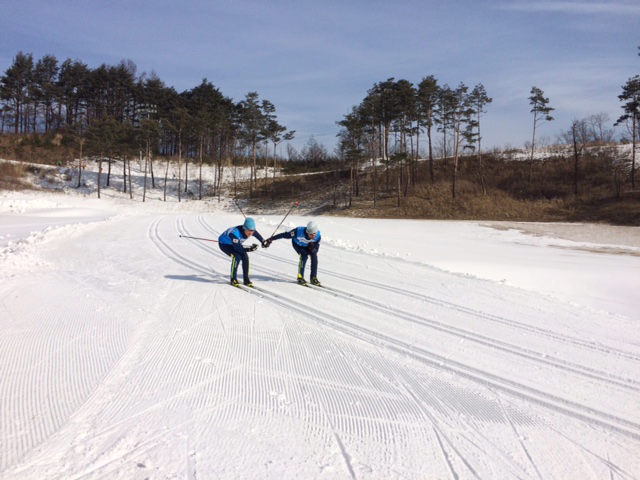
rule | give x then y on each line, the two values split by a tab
312	227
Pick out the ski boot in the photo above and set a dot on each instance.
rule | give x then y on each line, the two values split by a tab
315	281
248	283
301	280
234	282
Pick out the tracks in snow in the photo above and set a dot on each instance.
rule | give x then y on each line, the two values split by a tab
426	356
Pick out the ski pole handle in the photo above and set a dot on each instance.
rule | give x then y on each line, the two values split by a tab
198	238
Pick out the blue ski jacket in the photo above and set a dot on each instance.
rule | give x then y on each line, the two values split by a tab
235	236
299	237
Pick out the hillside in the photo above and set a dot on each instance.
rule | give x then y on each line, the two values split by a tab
509	187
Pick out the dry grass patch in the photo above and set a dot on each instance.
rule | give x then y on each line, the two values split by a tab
13	176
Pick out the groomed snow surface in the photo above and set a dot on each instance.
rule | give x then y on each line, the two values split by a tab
441	350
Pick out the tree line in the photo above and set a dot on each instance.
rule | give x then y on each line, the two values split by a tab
113	113
396	116
389	122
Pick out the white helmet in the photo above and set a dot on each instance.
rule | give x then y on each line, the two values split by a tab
312	227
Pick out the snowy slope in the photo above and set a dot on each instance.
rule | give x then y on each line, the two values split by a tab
125	354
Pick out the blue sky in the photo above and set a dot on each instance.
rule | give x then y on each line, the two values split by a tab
314	60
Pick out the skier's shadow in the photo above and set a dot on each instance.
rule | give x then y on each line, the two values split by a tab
205	279
193	278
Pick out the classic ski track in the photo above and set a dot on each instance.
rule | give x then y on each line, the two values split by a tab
79	391
469	335
453	306
112	457
516	350
493	342
482	377
506	385
54	433
392	378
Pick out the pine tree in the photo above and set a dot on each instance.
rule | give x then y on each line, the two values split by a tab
45	90
252	125
540	110
631	96
479	99
14	88
428	92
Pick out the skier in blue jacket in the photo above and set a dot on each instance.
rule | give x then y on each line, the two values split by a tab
306	242
231	241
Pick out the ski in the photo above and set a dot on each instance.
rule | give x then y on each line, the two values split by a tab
247	288
331	291
327	290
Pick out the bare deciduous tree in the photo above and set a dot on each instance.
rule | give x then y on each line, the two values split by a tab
579	135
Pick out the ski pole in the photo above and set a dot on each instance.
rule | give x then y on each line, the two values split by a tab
237	205
198	238
274	232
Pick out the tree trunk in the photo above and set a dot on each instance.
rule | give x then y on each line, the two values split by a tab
80	163
99	174
576	156
146	162
130	189
273	183
166	176
456	156
431	163
633	153
480	163
153	178
179	165
186	174
533	141
201	162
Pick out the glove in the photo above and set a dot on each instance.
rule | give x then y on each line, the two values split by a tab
313	247
252	248
267	243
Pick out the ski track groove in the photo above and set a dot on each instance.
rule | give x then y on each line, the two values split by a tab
436	424
558	404
495	343
531	394
517	435
484	315
328	420
189	264
31	415
402	387
114	409
605	461
444	304
445	455
491	342
279	391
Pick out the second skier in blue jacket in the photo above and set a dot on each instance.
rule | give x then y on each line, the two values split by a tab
306	242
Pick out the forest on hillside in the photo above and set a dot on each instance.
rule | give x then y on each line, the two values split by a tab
417	146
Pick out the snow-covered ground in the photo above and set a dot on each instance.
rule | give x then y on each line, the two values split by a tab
442	349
